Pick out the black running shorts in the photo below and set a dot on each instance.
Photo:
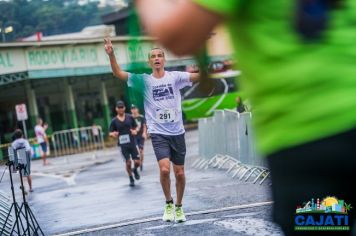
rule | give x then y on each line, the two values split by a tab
130	151
169	146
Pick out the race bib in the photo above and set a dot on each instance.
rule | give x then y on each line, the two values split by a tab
165	115
125	138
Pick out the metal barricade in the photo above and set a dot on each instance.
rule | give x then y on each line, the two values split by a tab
232	135
78	140
206	147
226	140
220	132
6	221
254	157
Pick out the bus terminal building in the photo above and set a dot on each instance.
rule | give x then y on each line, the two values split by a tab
67	83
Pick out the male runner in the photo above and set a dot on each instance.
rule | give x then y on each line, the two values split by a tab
123	127
162	103
141	133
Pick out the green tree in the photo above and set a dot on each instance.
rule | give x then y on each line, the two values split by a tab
49	17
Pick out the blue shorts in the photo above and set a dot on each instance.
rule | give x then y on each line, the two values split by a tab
26	171
44	147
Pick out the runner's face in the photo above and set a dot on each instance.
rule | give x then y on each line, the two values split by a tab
156	59
134	111
120	110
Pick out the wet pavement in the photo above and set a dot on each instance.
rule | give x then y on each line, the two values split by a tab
88	194
244	221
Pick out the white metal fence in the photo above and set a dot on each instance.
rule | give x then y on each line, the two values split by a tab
78	140
226	140
6	221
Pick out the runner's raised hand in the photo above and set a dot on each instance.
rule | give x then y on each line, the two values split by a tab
108	46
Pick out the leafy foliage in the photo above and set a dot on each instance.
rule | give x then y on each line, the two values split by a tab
47	16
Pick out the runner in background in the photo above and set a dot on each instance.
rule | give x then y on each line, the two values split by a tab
123	127
141	133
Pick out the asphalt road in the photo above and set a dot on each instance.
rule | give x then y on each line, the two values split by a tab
88	194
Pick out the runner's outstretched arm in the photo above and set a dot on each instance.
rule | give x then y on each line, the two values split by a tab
116	69
194	77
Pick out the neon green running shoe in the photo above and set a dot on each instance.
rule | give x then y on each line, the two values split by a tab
180	217
168	214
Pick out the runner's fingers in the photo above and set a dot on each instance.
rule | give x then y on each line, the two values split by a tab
108	44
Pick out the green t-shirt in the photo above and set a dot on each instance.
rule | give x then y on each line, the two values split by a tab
300	91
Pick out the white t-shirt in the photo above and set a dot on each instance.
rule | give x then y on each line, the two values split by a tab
21	143
95	130
162	100
40	134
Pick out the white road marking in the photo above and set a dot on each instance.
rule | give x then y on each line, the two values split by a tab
69	180
243	214
140	221
189	222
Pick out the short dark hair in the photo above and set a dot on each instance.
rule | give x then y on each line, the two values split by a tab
18	134
120	104
149	54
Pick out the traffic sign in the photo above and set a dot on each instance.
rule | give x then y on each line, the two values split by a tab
21	112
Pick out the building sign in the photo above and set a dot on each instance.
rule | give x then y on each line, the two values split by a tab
62	57
12	61
21	112
136	54
47	57
5	60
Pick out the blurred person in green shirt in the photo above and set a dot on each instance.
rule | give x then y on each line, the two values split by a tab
298	64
